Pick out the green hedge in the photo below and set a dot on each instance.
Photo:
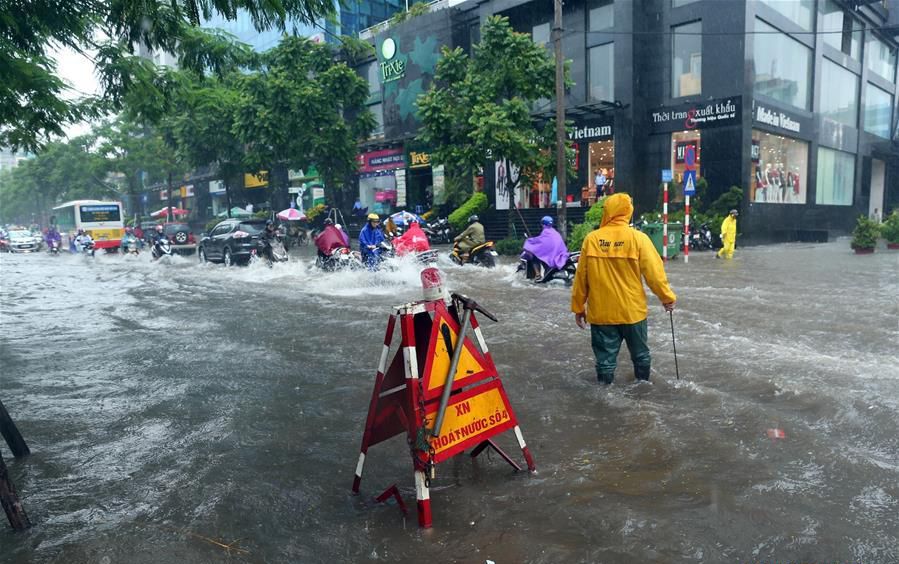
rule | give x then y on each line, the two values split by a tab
890	228
475	204
592	219
865	234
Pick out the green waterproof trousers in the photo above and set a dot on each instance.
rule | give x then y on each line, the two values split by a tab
606	340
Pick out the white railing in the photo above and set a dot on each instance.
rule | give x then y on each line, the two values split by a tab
370	32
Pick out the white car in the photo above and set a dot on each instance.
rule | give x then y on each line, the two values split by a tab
24	242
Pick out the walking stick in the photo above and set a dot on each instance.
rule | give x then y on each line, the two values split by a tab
674	344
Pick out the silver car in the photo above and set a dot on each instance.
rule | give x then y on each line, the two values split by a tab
24	242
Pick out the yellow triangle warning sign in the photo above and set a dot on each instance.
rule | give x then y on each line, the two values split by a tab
472	364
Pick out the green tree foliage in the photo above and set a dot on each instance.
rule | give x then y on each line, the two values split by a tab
33	105
62	172
865	234
139	155
592	220
479	107
295	111
475	204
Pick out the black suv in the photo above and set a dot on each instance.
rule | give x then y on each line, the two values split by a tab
231	241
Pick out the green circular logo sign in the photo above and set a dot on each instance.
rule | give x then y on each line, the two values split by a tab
388	49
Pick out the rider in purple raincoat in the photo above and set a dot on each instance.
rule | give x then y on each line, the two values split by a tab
549	246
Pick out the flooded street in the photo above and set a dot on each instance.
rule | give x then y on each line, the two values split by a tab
169	405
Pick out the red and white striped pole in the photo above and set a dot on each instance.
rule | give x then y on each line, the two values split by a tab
687	229
665	223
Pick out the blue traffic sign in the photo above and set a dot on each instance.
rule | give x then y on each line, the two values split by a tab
667	176
689	182
690	157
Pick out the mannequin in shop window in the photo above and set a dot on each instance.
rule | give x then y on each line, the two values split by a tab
760	183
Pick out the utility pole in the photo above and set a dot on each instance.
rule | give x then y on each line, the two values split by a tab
561	167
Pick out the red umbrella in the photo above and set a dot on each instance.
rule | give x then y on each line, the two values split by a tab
165	211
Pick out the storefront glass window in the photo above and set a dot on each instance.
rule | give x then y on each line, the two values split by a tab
878	111
783	66
541	34
686	64
881	58
602	16
373	76
839	94
839	29
601	169
602	72
681	143
779	168
798	11
378	111
378	193
836	177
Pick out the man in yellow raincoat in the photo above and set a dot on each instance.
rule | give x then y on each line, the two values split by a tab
608	289
728	235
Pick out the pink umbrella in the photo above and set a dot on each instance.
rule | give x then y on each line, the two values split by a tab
165	211
291	214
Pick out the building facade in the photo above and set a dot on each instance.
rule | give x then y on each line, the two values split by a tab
792	101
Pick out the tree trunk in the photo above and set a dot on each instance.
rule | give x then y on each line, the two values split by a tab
168	213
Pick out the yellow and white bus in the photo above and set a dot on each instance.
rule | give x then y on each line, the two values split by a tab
101	220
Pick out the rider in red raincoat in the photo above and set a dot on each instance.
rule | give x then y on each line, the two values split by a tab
413	240
330	239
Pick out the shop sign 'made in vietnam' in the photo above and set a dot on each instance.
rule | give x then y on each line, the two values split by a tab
791	122
697	115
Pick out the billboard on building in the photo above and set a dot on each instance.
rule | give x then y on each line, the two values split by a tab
407	58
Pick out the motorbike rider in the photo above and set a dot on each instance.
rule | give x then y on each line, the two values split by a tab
128	238
470	238
266	237
330	239
158	234
370	239
53	235
82	239
548	247
413	240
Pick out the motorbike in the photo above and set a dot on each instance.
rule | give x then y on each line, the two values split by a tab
273	250
340	259
482	255
540	273
701	238
87	248
439	231
161	248
54	247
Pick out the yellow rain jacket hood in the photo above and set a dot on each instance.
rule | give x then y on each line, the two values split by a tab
614	261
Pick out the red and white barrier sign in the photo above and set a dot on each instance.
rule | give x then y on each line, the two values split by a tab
405	400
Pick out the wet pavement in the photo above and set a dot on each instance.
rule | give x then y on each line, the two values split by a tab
171	405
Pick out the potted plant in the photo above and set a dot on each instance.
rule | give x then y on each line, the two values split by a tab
890	230
864	236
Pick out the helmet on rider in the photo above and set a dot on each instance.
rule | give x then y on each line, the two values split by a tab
472	218
546	220
80	231
339	228
269	223
128	230
159	228
373	217
329	221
